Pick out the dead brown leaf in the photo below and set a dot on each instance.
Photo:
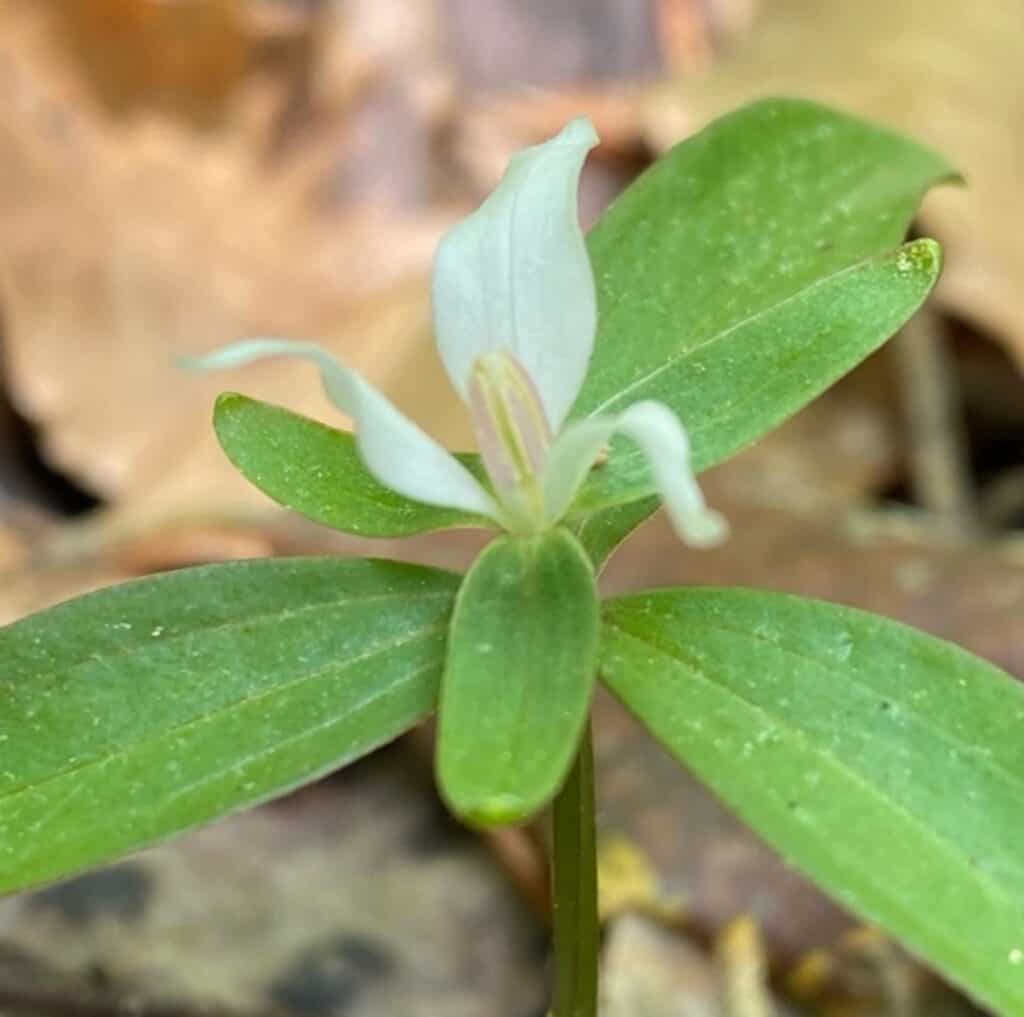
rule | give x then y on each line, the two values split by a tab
945	72
181	56
125	247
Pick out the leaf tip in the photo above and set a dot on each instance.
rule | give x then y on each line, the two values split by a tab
227	401
226	418
920	258
495	810
230	409
481	808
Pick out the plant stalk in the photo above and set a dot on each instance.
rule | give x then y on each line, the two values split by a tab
574	890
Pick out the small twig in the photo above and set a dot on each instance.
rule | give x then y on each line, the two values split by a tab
939	464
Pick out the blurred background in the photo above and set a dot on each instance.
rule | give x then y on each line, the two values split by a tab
175	174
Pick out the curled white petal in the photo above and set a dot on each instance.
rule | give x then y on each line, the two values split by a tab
394	449
661	437
515	275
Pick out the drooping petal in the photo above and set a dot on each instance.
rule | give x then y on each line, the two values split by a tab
395	450
515	275
661	437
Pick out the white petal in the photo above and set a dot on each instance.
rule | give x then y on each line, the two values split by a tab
515	275
394	449
660	435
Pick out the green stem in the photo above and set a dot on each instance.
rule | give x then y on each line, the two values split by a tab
574	890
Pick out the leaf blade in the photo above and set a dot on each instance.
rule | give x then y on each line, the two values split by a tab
520	672
316	471
137	712
886	763
790	353
728	228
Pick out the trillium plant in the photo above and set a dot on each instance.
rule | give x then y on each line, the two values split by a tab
733	282
515	310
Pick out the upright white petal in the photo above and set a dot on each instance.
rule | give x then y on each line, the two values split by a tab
515	275
394	449
658	432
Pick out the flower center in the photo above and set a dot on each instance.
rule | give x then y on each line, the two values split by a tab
513	434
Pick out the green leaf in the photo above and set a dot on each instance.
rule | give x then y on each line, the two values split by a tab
784	356
886	764
522	656
745	272
316	470
137	712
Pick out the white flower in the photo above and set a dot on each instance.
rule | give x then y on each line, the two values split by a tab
515	315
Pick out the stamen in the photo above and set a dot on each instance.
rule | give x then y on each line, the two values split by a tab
513	434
